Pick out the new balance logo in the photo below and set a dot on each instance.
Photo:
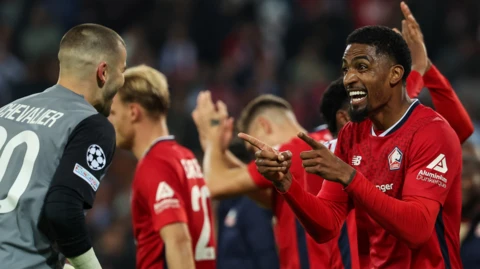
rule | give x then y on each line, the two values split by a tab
439	164
164	191
356	160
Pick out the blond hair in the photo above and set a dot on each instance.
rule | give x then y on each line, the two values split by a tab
148	87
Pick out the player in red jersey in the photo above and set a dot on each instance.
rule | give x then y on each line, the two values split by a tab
171	209
271	118
410	203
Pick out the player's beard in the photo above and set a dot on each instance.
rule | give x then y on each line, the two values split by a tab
358	115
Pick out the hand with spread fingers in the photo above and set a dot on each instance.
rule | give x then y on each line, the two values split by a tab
212	121
322	162
413	35
271	163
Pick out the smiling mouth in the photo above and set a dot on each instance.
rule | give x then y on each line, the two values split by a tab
357	96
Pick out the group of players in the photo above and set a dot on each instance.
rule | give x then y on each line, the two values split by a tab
380	188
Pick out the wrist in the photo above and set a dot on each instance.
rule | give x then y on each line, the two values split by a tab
348	176
284	183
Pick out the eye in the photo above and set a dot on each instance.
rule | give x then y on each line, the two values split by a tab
344	70
362	67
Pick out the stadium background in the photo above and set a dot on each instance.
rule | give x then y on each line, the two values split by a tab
235	48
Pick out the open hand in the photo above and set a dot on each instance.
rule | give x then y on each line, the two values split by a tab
413	35
272	164
322	162
212	121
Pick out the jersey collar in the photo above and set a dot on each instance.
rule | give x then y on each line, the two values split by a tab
400	122
158	140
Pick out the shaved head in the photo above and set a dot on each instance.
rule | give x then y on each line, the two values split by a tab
88	44
92	61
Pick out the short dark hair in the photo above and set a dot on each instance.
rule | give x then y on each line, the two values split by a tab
387	42
334	98
257	106
89	38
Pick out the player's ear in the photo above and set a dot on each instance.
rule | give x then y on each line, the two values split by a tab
342	118
396	74
134	112
265	124
101	74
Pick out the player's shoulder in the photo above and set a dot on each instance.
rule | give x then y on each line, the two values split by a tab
95	126
429	121
165	150
321	135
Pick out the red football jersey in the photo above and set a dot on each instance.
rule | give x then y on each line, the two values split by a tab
419	156
296	248
169	187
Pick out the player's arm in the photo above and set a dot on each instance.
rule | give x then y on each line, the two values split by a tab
225	181
447	104
178	246
412	219
162	191
331	204
322	215
73	188
444	98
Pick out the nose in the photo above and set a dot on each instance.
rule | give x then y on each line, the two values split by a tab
349	79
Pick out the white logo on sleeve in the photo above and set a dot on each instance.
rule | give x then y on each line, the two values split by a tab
164	191
439	164
95	157
87	176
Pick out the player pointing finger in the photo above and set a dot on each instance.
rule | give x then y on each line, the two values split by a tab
322	162
273	165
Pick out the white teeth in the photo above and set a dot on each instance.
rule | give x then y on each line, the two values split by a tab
353	93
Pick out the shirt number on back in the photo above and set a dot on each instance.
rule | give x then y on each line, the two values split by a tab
199	202
23	178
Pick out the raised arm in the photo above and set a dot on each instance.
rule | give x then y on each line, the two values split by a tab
444	98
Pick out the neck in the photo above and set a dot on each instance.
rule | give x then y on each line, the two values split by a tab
146	133
290	129
392	112
78	86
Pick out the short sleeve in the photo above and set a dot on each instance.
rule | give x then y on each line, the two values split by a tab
86	157
259	180
161	188
331	190
434	162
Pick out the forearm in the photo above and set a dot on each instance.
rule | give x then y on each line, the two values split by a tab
447	104
222	179
403	219
87	260
321	218
179	254
66	220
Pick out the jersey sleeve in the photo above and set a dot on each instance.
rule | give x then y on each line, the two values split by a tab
447	104
414	84
259	180
162	191
435	162
86	157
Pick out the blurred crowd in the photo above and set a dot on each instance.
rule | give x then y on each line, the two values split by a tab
237	49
